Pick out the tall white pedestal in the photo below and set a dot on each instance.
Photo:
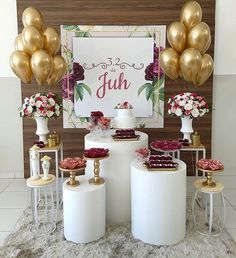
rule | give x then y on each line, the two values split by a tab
84	211
158	204
116	172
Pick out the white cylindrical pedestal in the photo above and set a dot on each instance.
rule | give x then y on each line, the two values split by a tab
84	211
158	204
116	172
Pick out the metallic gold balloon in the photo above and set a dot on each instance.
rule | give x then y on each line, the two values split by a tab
51	40
177	36
41	65
32	39
199	37
32	16
205	70
19	43
59	70
20	64
191	14
169	61
190	63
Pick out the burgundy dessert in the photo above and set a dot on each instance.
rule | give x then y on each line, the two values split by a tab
95	153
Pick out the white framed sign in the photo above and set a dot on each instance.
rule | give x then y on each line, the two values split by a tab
112	64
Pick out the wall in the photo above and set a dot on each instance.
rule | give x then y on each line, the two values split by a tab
11	141
224	104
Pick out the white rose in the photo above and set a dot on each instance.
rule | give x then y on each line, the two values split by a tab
202	112
195	112
57	112
30	109
188	106
57	107
38	103
52	101
169	111
182	103
178	112
37	95
50	113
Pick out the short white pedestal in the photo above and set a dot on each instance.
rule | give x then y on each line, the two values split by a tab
84	211
116	172
158	204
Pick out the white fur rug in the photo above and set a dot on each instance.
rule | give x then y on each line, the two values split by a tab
118	242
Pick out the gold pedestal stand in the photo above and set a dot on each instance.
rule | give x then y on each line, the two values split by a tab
96	180
72	181
209	173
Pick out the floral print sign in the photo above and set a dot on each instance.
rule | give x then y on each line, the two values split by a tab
138	78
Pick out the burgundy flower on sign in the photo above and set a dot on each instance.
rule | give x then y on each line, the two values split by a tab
69	81
153	70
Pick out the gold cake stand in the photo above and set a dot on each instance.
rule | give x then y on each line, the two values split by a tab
209	173
72	181
96	180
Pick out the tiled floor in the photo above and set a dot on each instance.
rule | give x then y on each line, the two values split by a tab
15	197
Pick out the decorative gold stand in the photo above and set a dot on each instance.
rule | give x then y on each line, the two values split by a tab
209	173
72	181
96	180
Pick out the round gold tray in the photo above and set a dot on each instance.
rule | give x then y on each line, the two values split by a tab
209	182
72	181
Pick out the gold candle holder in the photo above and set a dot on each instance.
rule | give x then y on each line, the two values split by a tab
96	180
209	173
57	137
51	141
196	139
72	182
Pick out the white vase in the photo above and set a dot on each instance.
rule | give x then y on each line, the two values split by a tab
45	167
42	128
187	127
34	164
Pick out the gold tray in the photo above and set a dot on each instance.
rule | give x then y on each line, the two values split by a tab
136	138
161	169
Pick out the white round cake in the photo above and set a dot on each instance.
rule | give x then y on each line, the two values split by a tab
124	119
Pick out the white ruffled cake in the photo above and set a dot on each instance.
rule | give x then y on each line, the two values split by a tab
124	118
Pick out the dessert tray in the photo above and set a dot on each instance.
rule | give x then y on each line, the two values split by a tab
161	163
126	138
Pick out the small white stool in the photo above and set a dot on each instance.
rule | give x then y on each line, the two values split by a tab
84	211
214	230
47	186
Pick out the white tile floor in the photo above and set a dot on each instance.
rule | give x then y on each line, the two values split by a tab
15	197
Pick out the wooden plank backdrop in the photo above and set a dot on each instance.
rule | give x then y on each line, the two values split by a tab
119	12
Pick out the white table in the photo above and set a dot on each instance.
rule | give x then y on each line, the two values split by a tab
55	150
158	204
116	172
84	211
47	186
197	149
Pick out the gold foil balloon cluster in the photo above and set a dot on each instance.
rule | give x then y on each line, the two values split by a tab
189	39
36	50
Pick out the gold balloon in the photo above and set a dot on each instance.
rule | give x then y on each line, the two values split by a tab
19	43
20	64
41	65
51	40
32	39
190	63
177	36
169	61
191	14
199	37
59	70
205	70
32	16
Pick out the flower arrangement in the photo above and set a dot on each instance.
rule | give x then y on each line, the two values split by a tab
44	105
187	104
124	105
95	153
73	163
104	123
210	164
94	116
143	154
